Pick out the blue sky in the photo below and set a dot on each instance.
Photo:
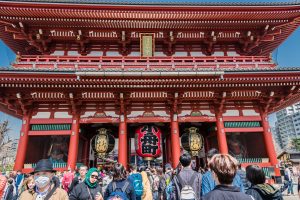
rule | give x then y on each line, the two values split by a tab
287	55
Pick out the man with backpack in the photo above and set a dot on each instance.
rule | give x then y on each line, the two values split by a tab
165	186
136	181
187	184
120	188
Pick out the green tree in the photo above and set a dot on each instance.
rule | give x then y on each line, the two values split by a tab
296	144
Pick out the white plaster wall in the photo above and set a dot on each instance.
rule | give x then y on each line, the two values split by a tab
62	115
57	53
250	113
231	113
42	115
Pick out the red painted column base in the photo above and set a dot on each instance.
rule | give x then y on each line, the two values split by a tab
221	135
123	146
23	142
269	143
175	143
74	141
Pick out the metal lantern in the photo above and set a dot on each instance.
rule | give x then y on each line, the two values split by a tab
103	142
148	142
192	141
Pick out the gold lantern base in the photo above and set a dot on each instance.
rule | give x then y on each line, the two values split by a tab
101	155
194	153
148	158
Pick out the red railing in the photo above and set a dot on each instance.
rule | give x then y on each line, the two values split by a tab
138	63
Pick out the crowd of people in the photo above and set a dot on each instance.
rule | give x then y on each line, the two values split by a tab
223	179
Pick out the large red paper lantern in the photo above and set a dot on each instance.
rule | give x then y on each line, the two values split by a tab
148	142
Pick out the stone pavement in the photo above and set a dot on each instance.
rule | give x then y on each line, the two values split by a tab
291	197
296	197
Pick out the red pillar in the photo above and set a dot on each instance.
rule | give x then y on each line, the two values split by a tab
169	149
269	143
221	135
175	143
23	141
74	141
123	145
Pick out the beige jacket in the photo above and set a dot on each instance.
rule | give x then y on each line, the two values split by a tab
59	194
147	193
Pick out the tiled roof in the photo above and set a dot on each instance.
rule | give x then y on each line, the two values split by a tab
172	2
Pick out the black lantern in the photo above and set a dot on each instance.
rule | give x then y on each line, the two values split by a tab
192	141
103	142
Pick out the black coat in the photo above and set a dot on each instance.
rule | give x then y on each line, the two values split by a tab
264	192
80	192
226	192
9	193
75	182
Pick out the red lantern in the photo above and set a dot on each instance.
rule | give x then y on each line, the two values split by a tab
148	142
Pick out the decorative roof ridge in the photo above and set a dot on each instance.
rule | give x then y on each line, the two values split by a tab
165	2
277	69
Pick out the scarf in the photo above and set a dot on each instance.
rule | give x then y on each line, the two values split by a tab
88	176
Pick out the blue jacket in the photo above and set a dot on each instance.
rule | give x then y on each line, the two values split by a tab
208	183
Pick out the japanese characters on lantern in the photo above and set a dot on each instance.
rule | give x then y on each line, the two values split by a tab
192	141
103	142
148	142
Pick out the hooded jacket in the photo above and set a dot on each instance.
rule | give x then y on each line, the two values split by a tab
264	192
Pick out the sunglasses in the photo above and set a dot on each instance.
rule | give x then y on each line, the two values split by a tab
94	176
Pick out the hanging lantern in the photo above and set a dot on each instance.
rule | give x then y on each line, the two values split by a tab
103	142
148	142
192	141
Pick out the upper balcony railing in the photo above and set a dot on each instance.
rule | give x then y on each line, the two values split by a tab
138	63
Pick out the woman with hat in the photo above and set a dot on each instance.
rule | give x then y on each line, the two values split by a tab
89	189
45	189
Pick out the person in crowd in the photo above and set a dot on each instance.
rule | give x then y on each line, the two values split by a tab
165	180
178	169
78	179
149	174
120	186
107	179
288	180
155	184
208	182
18	181
9	193
28	184
3	181
67	180
136	181
147	192
224	168
242	174
45	188
259	189
299	185
187	183
89	188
